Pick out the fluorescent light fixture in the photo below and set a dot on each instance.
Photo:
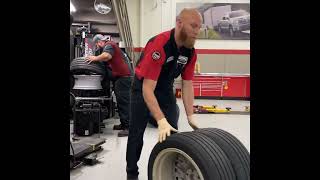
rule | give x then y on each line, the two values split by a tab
72	8
101	7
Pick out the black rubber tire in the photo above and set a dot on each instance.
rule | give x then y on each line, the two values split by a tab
209	157
154	123
233	148
79	66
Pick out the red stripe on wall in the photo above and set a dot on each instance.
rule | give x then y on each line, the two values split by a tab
138	49
211	51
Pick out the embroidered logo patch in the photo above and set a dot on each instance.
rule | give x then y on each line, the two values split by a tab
170	59
182	60
156	55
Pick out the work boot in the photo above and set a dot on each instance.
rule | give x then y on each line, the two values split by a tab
123	133
118	127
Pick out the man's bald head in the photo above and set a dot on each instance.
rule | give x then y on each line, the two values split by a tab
188	26
189	13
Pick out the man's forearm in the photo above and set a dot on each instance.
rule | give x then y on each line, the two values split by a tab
187	96
152	104
104	57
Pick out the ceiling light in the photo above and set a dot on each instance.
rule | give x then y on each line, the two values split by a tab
72	8
101	7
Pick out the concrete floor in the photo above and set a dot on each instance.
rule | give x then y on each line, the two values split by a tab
113	162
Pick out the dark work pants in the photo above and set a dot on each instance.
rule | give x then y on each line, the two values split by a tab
139	119
122	92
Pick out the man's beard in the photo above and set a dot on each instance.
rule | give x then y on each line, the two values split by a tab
187	42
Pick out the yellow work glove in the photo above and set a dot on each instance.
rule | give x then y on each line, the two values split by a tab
164	129
192	122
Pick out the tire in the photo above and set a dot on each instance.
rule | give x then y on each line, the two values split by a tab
233	148
79	66
154	123
189	154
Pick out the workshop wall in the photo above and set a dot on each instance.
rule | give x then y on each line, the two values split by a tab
150	17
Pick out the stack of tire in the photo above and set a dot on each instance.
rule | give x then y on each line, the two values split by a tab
204	154
79	66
